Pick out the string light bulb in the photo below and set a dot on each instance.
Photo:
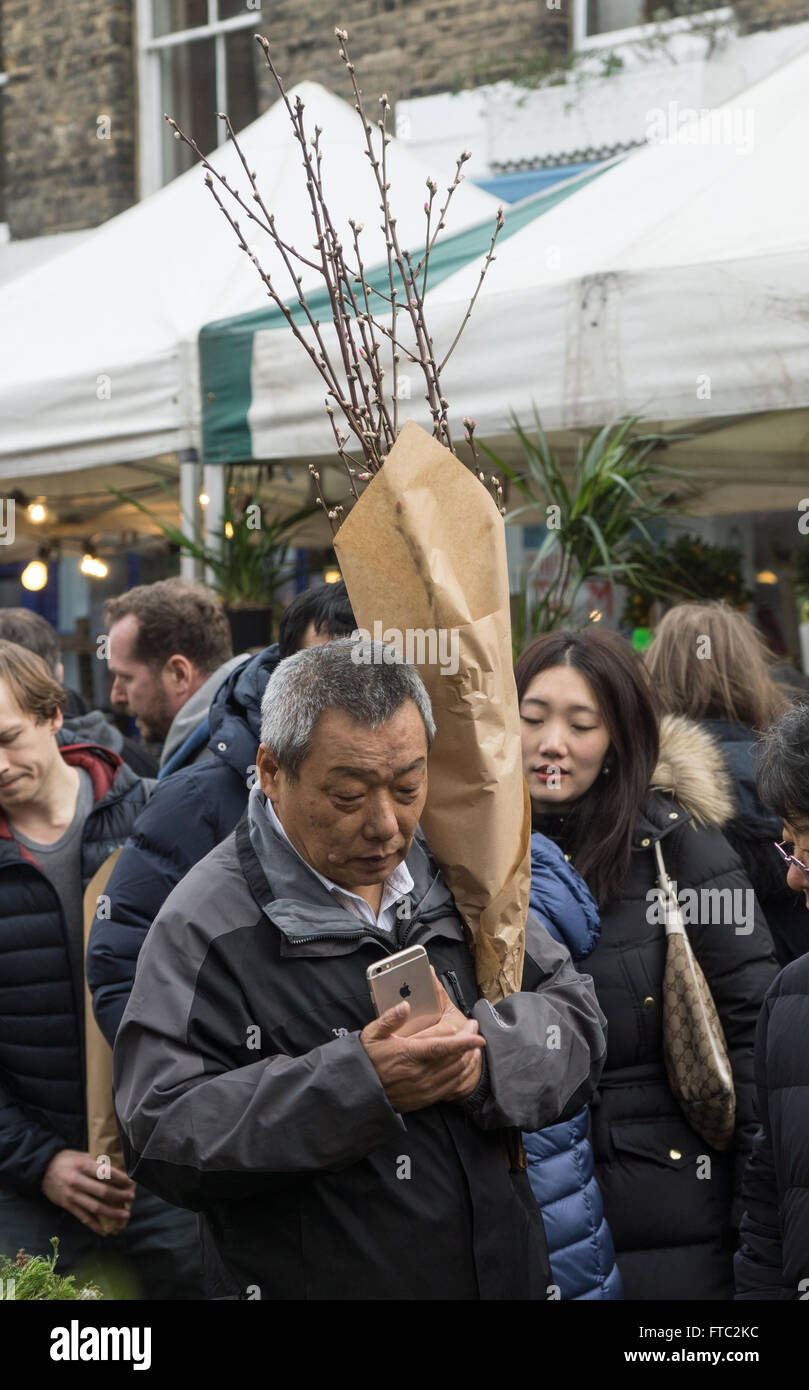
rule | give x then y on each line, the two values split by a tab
92	566
204	499
36	512
332	576
34	576
229	530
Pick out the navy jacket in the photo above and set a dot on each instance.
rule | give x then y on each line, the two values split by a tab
773	1261
189	813
42	1107
561	1168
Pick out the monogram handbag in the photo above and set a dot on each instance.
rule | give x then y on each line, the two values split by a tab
694	1047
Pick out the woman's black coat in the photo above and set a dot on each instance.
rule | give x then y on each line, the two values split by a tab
670	1200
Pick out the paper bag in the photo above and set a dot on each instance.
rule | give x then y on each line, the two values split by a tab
423	552
102	1129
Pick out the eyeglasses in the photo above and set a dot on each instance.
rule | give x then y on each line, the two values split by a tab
790	858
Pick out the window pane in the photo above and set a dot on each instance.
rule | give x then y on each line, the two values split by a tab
169	16
241	52
228	8
188	93
604	16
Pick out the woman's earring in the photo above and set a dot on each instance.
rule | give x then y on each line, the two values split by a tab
605	772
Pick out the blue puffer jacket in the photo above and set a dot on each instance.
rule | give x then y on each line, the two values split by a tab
190	812
560	1159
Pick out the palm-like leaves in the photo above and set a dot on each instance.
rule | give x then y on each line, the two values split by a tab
248	563
619	483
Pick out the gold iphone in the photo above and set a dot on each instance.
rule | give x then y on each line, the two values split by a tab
406	976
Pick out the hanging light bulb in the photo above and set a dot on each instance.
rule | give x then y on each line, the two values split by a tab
34	576
92	566
36	511
229	530
332	576
204	499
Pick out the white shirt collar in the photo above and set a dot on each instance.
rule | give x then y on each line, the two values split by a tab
397	884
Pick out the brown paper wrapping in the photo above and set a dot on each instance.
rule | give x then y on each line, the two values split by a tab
424	548
102	1129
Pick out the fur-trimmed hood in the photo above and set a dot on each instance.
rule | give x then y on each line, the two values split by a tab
692	770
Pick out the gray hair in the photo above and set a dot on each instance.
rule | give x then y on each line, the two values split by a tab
783	769
368	680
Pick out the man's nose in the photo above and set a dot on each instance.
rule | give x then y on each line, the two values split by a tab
382	822
117	696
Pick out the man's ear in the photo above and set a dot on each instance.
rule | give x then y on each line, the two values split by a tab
269	773
181	675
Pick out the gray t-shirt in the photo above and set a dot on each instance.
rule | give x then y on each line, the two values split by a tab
61	863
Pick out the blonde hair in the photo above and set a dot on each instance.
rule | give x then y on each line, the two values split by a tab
708	662
31	682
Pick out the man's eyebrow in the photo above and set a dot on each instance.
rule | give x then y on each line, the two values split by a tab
369	772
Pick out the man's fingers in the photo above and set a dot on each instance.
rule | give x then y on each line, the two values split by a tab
451	1045
118	1178
100	1189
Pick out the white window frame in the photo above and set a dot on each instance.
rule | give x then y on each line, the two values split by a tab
149	48
680	24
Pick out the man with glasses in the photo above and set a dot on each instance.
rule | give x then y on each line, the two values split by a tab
773	1261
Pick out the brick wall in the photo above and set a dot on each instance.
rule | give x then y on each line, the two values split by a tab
69	62
410	47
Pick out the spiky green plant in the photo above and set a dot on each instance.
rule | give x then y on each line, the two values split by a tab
597	514
249	562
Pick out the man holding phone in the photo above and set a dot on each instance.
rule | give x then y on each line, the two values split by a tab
331	1153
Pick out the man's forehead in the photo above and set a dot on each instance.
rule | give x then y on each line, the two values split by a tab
123	633
340	742
10	711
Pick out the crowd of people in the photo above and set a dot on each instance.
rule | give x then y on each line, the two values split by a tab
281	1141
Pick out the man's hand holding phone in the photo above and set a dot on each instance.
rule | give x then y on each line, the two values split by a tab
441	1063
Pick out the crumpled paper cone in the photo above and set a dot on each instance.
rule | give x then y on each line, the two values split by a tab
424	548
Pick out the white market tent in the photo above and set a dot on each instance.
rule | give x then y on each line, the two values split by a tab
98	347
674	286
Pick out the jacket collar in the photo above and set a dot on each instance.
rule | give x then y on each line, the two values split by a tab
195	710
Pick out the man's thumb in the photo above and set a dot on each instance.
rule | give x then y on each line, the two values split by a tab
389	1021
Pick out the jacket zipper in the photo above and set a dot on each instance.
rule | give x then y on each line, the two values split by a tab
337	936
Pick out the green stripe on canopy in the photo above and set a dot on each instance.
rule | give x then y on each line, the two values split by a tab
226	345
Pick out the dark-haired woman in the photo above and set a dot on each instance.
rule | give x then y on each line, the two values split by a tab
606	782
710	664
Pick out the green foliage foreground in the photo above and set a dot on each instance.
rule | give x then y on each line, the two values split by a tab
34	1277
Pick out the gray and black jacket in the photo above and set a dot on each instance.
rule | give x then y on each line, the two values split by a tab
243	1090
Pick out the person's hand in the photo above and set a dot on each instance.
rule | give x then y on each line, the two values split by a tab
453	1021
440	1063
103	1204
